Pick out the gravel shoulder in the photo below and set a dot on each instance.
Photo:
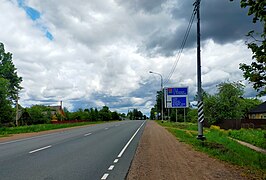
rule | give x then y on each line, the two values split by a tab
160	156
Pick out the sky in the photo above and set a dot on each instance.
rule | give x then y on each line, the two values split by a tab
99	52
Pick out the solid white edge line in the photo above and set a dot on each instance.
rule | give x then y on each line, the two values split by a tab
123	150
87	134
40	149
116	160
111	168
105	176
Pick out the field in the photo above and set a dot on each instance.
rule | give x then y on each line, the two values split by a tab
219	145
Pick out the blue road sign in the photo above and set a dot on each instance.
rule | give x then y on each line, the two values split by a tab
179	102
177	91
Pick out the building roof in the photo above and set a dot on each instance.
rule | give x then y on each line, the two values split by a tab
56	108
259	109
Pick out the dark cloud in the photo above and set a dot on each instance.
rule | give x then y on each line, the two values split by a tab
221	20
147	6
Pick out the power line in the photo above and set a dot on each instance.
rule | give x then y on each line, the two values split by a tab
182	46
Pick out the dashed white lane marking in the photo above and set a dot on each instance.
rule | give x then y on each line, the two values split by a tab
123	150
106	128
111	168
19	140
105	176
40	149
87	134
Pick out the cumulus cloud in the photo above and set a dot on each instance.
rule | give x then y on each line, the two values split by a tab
101	51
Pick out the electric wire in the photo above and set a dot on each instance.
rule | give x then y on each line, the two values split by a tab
182	45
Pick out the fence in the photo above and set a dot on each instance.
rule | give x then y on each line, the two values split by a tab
242	123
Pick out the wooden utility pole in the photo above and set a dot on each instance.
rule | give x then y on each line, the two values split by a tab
17	111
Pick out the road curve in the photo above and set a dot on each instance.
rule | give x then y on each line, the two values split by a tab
103	151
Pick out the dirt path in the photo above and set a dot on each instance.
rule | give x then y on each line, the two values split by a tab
160	156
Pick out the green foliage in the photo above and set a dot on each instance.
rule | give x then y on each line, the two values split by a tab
8	72
9	86
39	114
93	114
135	114
192	115
114	115
152	113
256	137
39	127
219	145
256	71
158	105
104	114
247	104
6	111
228	103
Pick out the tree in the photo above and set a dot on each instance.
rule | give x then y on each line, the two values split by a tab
256	71
6	111
8	72
105	114
228	103
39	114
152	113
158	105
115	115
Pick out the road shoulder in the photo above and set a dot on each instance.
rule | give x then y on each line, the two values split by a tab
161	156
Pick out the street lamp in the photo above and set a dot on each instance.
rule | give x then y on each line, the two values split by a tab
161	89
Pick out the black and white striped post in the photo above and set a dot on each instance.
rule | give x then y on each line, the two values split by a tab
200	103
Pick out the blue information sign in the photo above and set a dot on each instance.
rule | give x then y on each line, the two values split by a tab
178	91
179	102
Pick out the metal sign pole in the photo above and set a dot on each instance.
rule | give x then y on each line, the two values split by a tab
200	103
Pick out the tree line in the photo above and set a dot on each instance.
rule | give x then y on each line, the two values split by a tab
136	115
40	114
227	103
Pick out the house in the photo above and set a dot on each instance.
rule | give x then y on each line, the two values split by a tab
57	110
259	112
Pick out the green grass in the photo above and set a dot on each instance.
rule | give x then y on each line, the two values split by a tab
218	145
4	131
252	136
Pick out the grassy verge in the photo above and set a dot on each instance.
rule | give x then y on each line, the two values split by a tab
220	146
40	127
252	136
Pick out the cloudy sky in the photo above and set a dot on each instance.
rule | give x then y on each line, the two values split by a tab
90	53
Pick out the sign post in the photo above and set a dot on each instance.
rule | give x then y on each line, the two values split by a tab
176	97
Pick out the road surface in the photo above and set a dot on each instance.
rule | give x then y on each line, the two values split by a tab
102	151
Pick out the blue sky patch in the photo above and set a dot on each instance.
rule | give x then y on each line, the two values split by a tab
49	35
32	13
35	15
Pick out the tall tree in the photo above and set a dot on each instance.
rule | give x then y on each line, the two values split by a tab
105	114
6	112
8	71
256	71
228	103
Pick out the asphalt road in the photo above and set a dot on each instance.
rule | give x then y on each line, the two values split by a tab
102	151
